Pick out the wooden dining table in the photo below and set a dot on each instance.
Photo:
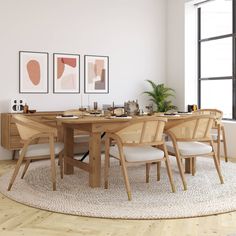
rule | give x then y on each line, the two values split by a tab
95	126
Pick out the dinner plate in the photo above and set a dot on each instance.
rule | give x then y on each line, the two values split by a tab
67	117
121	117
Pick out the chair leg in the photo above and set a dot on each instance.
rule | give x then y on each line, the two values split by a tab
53	164
218	147
17	168
217	166
224	143
181	171
26	168
168	168
188	165
107	161
148	165
170	175
158	171
60	160
193	159
127	184
179	163
125	173
13	154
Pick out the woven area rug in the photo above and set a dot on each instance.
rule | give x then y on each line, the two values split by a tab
205	195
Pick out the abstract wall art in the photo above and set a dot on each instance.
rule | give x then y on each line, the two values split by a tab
96	74
66	73
33	72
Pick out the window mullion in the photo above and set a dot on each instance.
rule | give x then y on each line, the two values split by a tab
199	58
234	60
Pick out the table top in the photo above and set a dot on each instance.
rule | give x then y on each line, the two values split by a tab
102	119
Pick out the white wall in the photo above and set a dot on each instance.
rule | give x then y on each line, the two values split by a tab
175	50
132	33
191	95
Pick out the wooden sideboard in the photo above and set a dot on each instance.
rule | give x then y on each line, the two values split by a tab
10	138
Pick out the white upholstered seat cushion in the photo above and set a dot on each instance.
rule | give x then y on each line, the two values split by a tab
136	154
42	149
190	148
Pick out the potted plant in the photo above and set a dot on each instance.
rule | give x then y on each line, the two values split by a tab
159	95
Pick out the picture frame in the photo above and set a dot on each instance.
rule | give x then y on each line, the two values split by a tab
33	72
96	74
66	73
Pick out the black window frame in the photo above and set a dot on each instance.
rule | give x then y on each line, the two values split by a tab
233	77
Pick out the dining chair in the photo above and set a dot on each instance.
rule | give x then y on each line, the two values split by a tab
191	137
31	131
135	143
218	134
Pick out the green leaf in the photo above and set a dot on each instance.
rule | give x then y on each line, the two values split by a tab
159	94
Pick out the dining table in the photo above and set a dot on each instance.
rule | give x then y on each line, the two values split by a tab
96	126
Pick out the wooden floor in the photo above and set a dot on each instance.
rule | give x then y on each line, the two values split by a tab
17	219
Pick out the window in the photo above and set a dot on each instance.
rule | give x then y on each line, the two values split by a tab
216	56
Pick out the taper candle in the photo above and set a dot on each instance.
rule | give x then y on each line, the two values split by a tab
81	100
88	102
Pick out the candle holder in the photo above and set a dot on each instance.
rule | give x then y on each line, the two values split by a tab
82	109
95	106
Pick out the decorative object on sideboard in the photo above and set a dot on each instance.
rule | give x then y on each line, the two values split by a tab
159	94
33	72
17	105
66	73
96	74
131	108
26	108
32	111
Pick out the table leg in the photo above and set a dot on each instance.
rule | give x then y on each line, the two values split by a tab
68	149
218	142
13	154
95	160
188	165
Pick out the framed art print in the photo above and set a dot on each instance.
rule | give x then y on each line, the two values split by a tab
96	74
33	72
66	73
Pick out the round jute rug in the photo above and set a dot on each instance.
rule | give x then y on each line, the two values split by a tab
205	194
